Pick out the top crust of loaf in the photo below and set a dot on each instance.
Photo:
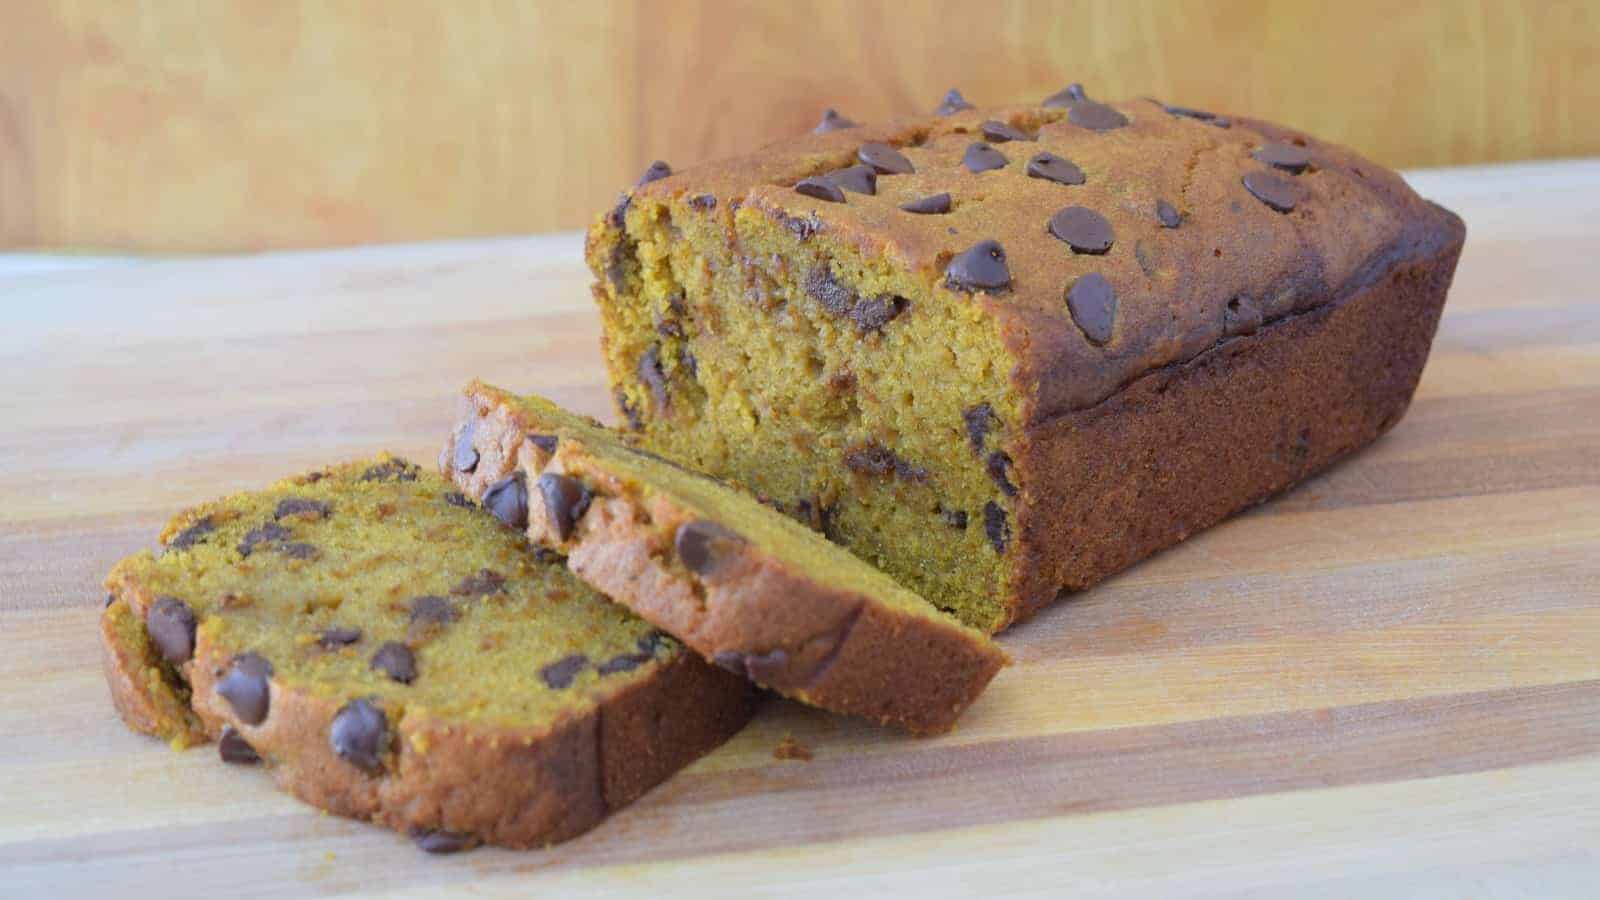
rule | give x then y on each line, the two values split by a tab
1234	261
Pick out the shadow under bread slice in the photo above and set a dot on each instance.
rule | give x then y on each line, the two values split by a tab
388	651
747	587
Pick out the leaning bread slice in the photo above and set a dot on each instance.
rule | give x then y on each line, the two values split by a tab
747	587
389	652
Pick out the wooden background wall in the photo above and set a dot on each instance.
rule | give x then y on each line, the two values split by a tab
171	125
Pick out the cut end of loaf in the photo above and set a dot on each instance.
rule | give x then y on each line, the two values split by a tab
860	398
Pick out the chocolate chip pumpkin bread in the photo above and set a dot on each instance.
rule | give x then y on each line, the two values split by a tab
750	589
389	652
1004	352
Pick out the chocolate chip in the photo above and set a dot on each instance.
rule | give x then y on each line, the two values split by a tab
170	624
704	545
546	442
979	419
561	673
869	314
858	179
302	506
1276	192
834	296
872	313
1189	113
298	550
877	461
703	201
336	637
233	748
955	518
802	227
196	533
981	267
245	687
620	262
456	498
884	159
1095	116
507	499
1241	315
466	455
826	517
981	157
432	610
359	735
548	557
995	526
821	187
1066	97
931	205
1284	156
627	662
999	466
432	840
1167	214
566	499
653	376
1084	230
618	216
270	533
395	660
1051	167
481	583
1093	305
110	599
391	470
1222	122
952	103
832	121
657	171
999	132
652	641
766	667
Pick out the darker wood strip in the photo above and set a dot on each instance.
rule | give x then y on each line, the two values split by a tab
1451	447
1119	618
916	789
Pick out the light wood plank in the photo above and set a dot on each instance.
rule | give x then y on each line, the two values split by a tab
1386	682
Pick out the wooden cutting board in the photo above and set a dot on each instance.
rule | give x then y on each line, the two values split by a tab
1386	682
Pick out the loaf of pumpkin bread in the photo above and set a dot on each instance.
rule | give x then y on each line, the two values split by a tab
1005	352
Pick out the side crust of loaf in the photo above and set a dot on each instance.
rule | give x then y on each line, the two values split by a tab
1186	446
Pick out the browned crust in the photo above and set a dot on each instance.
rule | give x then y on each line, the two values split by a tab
1185	447
840	650
511	787
1173	285
147	703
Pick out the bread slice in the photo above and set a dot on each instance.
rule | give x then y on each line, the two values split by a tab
747	587
1004	352
389	652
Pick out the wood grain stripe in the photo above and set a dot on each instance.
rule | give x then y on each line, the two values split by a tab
855	797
